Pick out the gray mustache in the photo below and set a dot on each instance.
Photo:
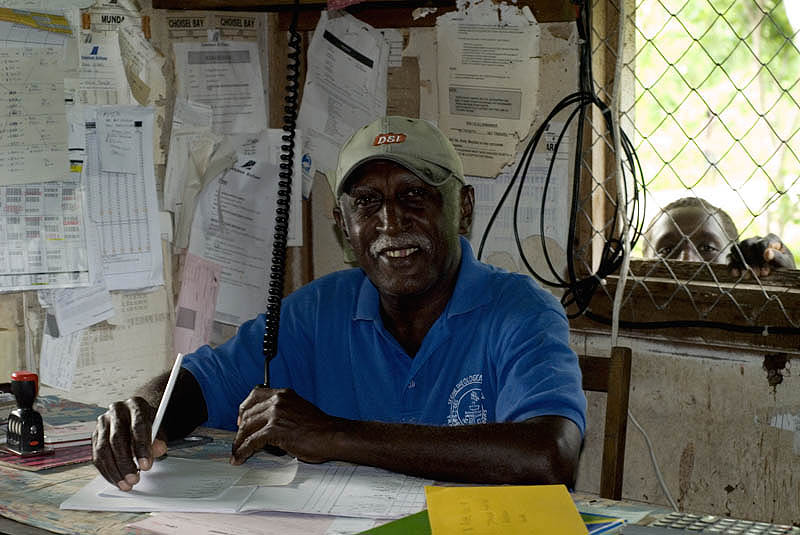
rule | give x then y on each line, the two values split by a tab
403	241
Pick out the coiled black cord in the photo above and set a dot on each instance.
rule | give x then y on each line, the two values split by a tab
277	268
578	290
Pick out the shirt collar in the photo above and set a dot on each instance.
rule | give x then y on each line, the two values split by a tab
471	291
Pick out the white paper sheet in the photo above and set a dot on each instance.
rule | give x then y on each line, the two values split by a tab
41	29
48	5
343	490
268	144
132	347
90	499
345	88
58	359
102	74
197	301
225	75
78	308
242	240
209	155
33	137
336	489
500	249
43	238
122	206
251	524
190	122
175	477
144	68
488	82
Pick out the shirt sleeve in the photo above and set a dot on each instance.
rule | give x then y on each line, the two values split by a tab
538	373
229	372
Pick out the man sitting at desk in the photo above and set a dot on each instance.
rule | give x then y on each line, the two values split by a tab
693	230
423	361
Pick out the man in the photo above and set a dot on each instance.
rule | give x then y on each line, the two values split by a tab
423	361
694	230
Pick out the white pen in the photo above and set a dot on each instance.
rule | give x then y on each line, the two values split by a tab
162	407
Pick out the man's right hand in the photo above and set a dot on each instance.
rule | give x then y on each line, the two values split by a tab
122	433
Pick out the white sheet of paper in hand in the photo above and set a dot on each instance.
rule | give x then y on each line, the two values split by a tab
188	485
174	477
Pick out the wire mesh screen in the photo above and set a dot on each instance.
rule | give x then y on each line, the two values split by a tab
711	101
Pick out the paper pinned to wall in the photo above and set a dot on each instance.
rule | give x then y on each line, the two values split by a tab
197	301
233	226
134	348
267	144
78	308
488	73
58	360
33	139
345	88
225	75
191	121
43	236
28	28
102	74
122	207
501	248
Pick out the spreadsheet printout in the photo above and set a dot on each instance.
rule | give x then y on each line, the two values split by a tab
122	207
42	235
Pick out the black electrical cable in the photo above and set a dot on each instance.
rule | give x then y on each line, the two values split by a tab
578	290
277	268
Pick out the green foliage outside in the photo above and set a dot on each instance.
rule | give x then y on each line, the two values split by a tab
717	109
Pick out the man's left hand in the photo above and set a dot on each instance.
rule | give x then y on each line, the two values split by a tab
761	254
280	417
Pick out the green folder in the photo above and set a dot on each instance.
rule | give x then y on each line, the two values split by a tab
416	524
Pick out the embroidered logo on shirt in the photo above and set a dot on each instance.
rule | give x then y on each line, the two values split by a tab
466	402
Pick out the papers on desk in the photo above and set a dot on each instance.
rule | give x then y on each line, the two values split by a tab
259	485
251	524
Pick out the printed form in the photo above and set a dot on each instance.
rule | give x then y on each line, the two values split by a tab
42	235
120	187
345	88
234	224
131	347
337	489
488	82
501	249
225	75
102	72
33	124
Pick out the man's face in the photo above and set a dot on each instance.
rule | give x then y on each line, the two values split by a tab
404	231
691	234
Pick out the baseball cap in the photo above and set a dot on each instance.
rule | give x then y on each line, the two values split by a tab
415	144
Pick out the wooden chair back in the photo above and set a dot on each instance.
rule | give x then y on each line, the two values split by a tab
613	376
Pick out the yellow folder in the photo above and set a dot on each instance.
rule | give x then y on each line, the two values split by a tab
506	510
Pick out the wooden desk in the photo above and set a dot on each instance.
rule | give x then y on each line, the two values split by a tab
30	501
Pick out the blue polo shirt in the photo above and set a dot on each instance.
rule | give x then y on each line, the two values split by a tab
498	353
